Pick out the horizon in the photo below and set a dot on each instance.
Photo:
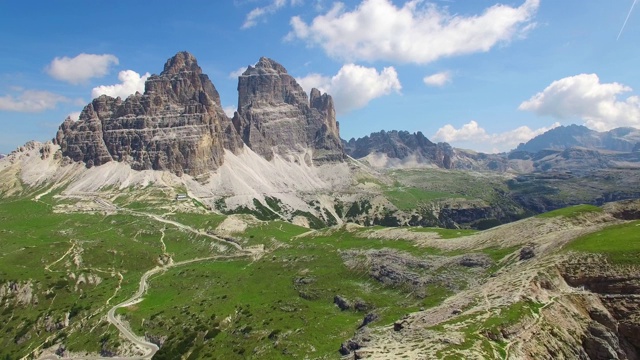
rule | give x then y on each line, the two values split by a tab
484	76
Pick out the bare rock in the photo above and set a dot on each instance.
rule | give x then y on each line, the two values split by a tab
527	252
177	125
275	116
368	319
475	260
342	303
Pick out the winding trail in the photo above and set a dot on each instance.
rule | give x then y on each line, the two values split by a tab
148	348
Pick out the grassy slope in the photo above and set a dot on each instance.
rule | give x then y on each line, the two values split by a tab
280	306
33	237
620	243
272	312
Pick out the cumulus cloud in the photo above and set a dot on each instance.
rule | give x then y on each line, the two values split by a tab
418	32
236	73
229	110
130	82
81	68
584	96
354	86
31	101
256	14
472	136
438	79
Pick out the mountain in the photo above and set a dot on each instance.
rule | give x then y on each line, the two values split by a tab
402	149
564	137
281	148
178	123
2	156
275	116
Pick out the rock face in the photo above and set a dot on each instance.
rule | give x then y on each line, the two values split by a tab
275	116
401	145
177	124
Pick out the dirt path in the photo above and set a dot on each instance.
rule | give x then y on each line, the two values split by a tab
148	348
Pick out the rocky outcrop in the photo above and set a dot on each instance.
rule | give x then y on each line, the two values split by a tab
13	293
177	125
275	116
614	332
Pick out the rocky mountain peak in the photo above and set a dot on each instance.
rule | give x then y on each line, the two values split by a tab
266	66
275	115
177	125
181	62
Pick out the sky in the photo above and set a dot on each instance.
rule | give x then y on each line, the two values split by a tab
480	74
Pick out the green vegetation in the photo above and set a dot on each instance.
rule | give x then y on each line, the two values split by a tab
445	233
278	306
572	211
487	333
620	243
409	198
465	184
72	264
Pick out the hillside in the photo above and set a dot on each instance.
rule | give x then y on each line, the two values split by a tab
565	137
158	227
237	287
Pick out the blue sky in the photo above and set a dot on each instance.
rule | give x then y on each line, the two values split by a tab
481	74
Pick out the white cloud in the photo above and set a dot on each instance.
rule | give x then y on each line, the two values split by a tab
438	79
31	101
131	82
583	96
74	115
418	32
229	110
81	68
256	14
472	136
354	86
235	74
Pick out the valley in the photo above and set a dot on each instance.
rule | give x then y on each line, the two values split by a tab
159	227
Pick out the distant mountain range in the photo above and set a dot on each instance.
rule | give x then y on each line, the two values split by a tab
281	156
624	139
402	149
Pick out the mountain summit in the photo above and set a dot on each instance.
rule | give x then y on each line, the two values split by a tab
275	116
178	124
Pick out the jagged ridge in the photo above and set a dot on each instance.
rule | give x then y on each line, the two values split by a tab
178	124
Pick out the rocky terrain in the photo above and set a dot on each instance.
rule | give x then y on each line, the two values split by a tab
276	116
177	125
540	303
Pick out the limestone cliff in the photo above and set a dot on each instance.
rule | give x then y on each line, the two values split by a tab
275	116
177	125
